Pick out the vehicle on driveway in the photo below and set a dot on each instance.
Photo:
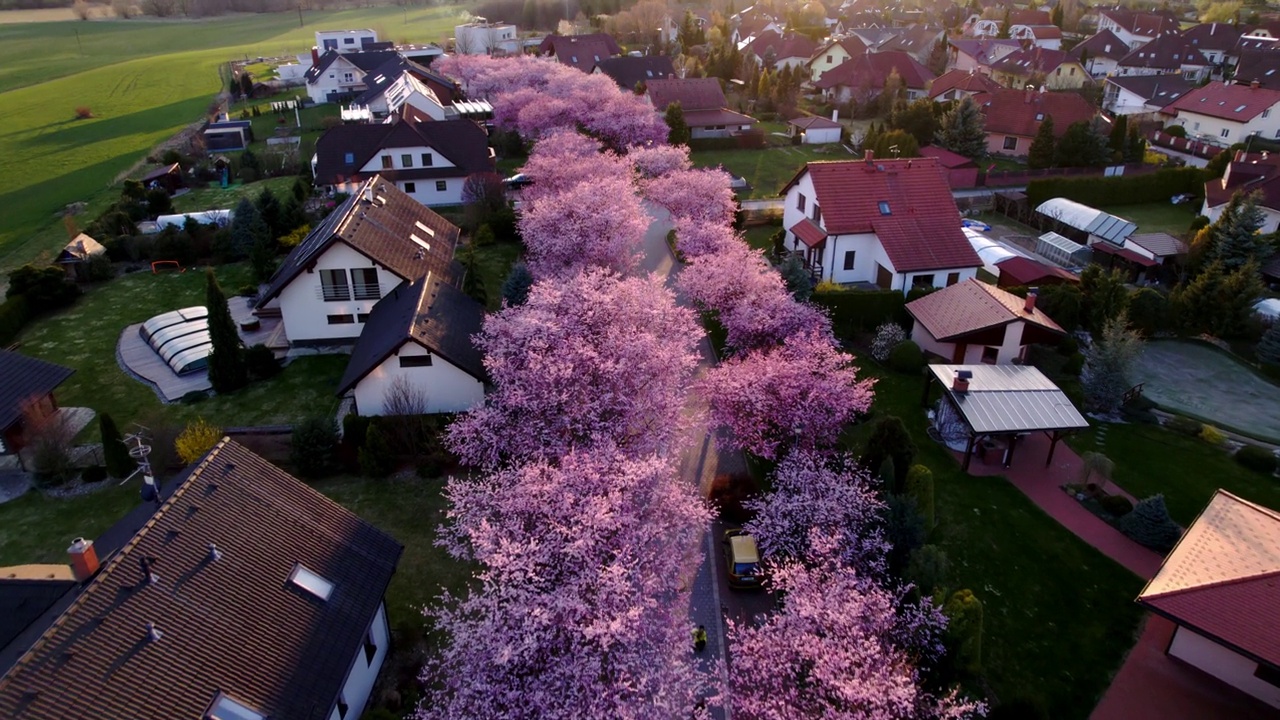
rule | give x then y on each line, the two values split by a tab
742	560
1181	198
517	181
975	224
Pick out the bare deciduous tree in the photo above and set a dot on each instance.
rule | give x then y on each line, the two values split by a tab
403	406
48	437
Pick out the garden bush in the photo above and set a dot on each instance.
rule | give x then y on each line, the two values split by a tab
907	357
1116	505
1158	186
45	288
920	489
1258	459
927	569
1184	425
13	317
888	336
93	474
195	440
1074	365
1069	345
375	457
261	362
1149	524
314	447
1148	311
1212	435
964	631
862	310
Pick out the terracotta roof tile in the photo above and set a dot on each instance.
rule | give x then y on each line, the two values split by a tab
691	93
235	624
1025	271
1143	24
1020	112
922	230
631	71
22	378
970	306
1158	90
969	82
1032	60
874	68
1222	37
1103	44
1240	103
580	51
808	232
790	45
1223	576
1167	52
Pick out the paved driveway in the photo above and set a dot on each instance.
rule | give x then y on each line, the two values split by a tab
1195	379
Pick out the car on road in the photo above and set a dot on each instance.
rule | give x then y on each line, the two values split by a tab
742	560
517	181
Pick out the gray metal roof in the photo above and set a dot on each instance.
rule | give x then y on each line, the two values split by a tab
1088	219
1010	398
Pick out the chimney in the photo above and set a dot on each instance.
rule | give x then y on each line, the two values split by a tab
1030	304
961	381
835	115
1255	85
84	559
368	193
869	157
315	56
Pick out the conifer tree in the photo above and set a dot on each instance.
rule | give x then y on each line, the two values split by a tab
1040	155
115	453
962	130
679	129
226	361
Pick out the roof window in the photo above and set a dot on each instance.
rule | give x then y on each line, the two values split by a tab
1039	117
424	228
311	582
884	208
420	242
224	708
1240	108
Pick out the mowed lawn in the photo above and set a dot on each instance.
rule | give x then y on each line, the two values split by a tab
766	171
84	337
1058	616
1158	217
143	81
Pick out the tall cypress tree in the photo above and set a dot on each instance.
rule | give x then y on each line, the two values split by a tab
678	129
114	452
1041	153
226	362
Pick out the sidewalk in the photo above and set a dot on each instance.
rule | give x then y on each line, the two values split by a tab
1042	485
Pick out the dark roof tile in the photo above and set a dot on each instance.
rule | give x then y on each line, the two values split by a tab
23	378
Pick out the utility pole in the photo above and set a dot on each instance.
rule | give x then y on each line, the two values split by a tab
299	13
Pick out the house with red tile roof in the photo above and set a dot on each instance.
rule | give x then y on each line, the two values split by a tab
1136	29
1099	53
1046	36
1248	173
1216	41
891	223
580	51
1170	53
973	322
1014	117
1036	66
834	54
787	49
978	55
1221	586
957	84
862	78
1222	114
703	103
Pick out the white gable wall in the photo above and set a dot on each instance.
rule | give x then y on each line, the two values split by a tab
397	154
306	314
446	386
342	76
1266	124
1223	663
364	670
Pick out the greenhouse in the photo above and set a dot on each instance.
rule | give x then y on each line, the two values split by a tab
181	338
1064	251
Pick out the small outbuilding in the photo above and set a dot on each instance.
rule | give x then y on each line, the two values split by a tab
167	178
815	130
26	393
77	253
1020	271
1221	586
990	408
1084	224
228	135
973	322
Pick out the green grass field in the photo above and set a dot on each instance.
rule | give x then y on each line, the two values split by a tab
767	170
143	81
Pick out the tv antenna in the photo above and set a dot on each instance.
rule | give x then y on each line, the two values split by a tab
139	449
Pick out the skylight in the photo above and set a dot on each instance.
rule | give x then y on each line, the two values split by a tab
1039	116
1240	108
311	582
420	242
884	207
424	228
224	708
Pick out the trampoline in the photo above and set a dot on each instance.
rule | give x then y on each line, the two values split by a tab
180	338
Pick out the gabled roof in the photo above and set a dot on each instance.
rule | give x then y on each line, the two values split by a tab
1249	173
875	36
1104	44
691	93
1143	24
1240	103
234	624
1044	32
24	600
1260	66
1020	112
80	249
922	228
915	39
984	50
790	45
946	158
428	311
1159	244
872	69
1167	52
1157	90
968	307
629	72
24	378
808	232
367	62
461	142
382	230
1034	60
1030	17
580	51
851	44
160	172
1255	43
381	78
813	122
1222	37
1222	579
1025	271
969	82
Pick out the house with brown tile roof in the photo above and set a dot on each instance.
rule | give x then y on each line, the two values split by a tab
245	595
1099	53
1040	67
978	55
1169	53
1247	173
1259	66
891	223
703	103
973	322
834	54
1014	117
787	49
1136	29
1046	36
580	51
636	72
958	84
1221	586
1221	114
862	78
1216	41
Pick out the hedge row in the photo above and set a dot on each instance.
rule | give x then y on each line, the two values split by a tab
863	310
14	314
750	140
1158	186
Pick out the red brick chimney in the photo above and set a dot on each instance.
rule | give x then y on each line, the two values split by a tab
1030	305
869	157
961	381
84	559
1255	85
315	55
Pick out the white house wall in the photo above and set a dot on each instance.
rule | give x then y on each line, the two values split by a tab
447	387
1210	128
819	136
829	60
1222	663
397	162
341	77
306	313
1270	222
364	671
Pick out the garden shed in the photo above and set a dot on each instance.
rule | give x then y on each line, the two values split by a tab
228	135
77	253
991	407
26	392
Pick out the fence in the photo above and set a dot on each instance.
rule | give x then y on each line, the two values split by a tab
1190	146
1013	178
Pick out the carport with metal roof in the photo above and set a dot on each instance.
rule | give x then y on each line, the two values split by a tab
1004	402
